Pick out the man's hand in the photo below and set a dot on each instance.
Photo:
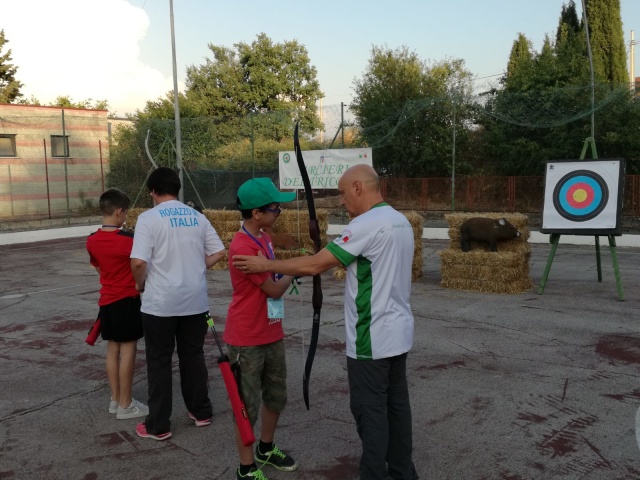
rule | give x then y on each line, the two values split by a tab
251	264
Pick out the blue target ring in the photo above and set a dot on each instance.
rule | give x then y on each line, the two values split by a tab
580	195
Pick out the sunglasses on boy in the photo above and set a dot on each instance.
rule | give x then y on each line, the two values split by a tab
276	210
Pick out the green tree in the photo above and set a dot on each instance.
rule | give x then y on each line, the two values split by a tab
554	86
258	78
237	106
571	48
65	101
405	109
607	41
520	64
9	86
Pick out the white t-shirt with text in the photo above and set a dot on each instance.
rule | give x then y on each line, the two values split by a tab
174	239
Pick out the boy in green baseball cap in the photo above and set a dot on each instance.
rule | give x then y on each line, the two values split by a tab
253	330
261	192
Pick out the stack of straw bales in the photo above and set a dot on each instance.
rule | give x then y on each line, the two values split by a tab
416	221
227	223
504	271
132	217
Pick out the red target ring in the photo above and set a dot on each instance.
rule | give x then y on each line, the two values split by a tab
580	194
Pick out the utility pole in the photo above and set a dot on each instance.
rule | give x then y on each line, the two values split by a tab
321	115
632	63
176	107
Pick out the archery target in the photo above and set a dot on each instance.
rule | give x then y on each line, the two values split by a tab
583	197
580	196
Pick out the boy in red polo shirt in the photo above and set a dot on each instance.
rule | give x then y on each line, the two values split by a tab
253	330
121	322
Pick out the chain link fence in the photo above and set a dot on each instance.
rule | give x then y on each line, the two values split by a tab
55	162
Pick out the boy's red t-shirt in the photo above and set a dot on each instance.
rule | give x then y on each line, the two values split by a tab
247	321
110	251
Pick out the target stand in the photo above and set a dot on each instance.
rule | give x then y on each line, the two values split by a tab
584	197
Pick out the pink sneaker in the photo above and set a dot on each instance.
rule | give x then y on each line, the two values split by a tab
141	430
201	423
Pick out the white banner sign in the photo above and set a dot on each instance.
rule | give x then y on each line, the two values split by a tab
325	167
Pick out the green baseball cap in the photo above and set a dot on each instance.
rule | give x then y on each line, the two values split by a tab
258	192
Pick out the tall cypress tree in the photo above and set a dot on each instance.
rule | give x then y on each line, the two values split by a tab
9	86
569	23
607	41
571	48
520	64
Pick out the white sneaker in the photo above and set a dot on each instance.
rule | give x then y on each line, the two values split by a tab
136	409
113	406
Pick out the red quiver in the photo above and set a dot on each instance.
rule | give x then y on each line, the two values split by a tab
94	333
237	405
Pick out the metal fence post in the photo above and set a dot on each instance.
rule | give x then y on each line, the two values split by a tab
10	189
253	155
342	121
66	176
101	168
46	174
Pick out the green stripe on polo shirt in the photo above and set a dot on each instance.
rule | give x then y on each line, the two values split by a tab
363	307
341	254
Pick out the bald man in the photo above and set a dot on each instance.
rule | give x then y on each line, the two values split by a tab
377	249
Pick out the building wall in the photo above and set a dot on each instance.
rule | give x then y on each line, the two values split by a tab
34	182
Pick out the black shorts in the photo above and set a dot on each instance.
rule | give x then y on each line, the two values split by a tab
121	321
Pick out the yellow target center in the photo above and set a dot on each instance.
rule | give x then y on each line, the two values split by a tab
580	195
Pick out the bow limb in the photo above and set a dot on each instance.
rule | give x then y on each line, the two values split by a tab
316	299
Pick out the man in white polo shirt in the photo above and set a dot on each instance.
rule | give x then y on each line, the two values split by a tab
377	249
173	247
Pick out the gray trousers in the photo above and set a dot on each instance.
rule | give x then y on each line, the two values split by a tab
381	409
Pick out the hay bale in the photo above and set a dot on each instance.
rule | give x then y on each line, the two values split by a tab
223	220
228	222
292	222
340	273
132	217
489	286
284	254
296	224
475	258
416	220
518	220
504	271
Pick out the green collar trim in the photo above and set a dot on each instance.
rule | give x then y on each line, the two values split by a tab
381	204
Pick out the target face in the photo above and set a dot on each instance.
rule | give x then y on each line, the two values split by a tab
583	197
580	196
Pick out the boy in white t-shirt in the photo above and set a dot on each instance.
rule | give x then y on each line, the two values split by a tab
173	247
377	249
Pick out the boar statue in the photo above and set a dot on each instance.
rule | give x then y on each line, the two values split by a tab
282	240
487	230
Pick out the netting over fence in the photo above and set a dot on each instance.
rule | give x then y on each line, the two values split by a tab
436	154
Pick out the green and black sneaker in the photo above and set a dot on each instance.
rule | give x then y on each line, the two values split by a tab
276	458
252	475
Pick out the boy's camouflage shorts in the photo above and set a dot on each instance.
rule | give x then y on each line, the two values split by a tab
263	376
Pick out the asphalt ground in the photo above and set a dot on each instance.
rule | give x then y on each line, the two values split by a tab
521	386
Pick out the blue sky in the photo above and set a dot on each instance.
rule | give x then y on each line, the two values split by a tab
339	34
120	50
